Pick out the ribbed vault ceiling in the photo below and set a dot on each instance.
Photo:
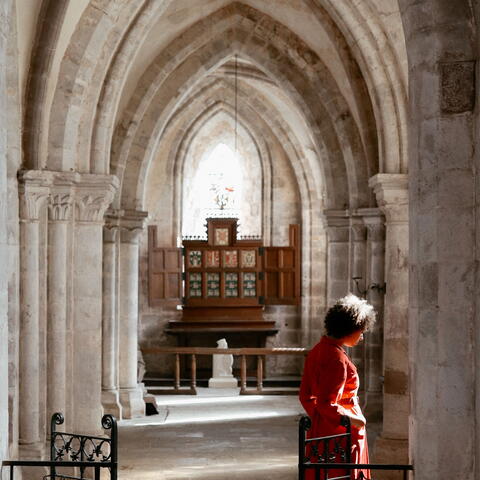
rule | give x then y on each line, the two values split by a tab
322	79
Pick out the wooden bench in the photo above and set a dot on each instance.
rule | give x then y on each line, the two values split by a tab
80	454
333	452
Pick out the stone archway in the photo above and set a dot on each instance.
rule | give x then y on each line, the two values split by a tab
91	111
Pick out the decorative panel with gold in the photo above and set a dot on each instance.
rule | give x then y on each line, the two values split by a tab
221	236
248	258
230	259
231	284
195	258
213	285
249	284
195	285
212	258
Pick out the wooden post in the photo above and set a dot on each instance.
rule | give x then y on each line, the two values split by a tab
177	371
193	382
259	373
243	374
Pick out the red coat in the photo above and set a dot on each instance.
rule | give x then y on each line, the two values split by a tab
328	391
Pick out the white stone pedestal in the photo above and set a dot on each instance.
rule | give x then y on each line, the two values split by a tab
222	368
223	382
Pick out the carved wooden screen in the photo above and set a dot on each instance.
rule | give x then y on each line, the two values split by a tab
225	272
164	271
281	266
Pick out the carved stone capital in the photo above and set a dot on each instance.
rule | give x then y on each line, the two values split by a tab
32	200
132	223
33	192
112	225
33	189
376	229
358	230
90	206
391	190
374	221
93	195
338	225
130	235
110	233
60	205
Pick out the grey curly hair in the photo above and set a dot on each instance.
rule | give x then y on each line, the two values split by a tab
349	314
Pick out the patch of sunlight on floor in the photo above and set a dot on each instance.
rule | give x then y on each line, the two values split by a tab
213	436
280	467
193	400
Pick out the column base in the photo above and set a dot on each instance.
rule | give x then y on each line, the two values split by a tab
111	403
32	451
131	401
390	450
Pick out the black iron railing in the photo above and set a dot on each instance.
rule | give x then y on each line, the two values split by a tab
333	452
77	452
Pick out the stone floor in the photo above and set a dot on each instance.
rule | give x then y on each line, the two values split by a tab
217	435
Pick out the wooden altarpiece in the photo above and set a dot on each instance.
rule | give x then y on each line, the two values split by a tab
223	282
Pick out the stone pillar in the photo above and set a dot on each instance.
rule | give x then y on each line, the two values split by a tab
32	199
375	276
110	353
358	253
93	195
337	255
59	209
131	395
391	191
444	166
357	268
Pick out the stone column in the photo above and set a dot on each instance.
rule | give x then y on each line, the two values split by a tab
375	276
110	352
93	195
358	253
357	269
337	255
59	209
131	395
32	199
391	191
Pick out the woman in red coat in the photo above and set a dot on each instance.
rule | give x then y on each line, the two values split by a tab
330	381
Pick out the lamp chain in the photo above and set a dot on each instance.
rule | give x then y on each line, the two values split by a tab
236	100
